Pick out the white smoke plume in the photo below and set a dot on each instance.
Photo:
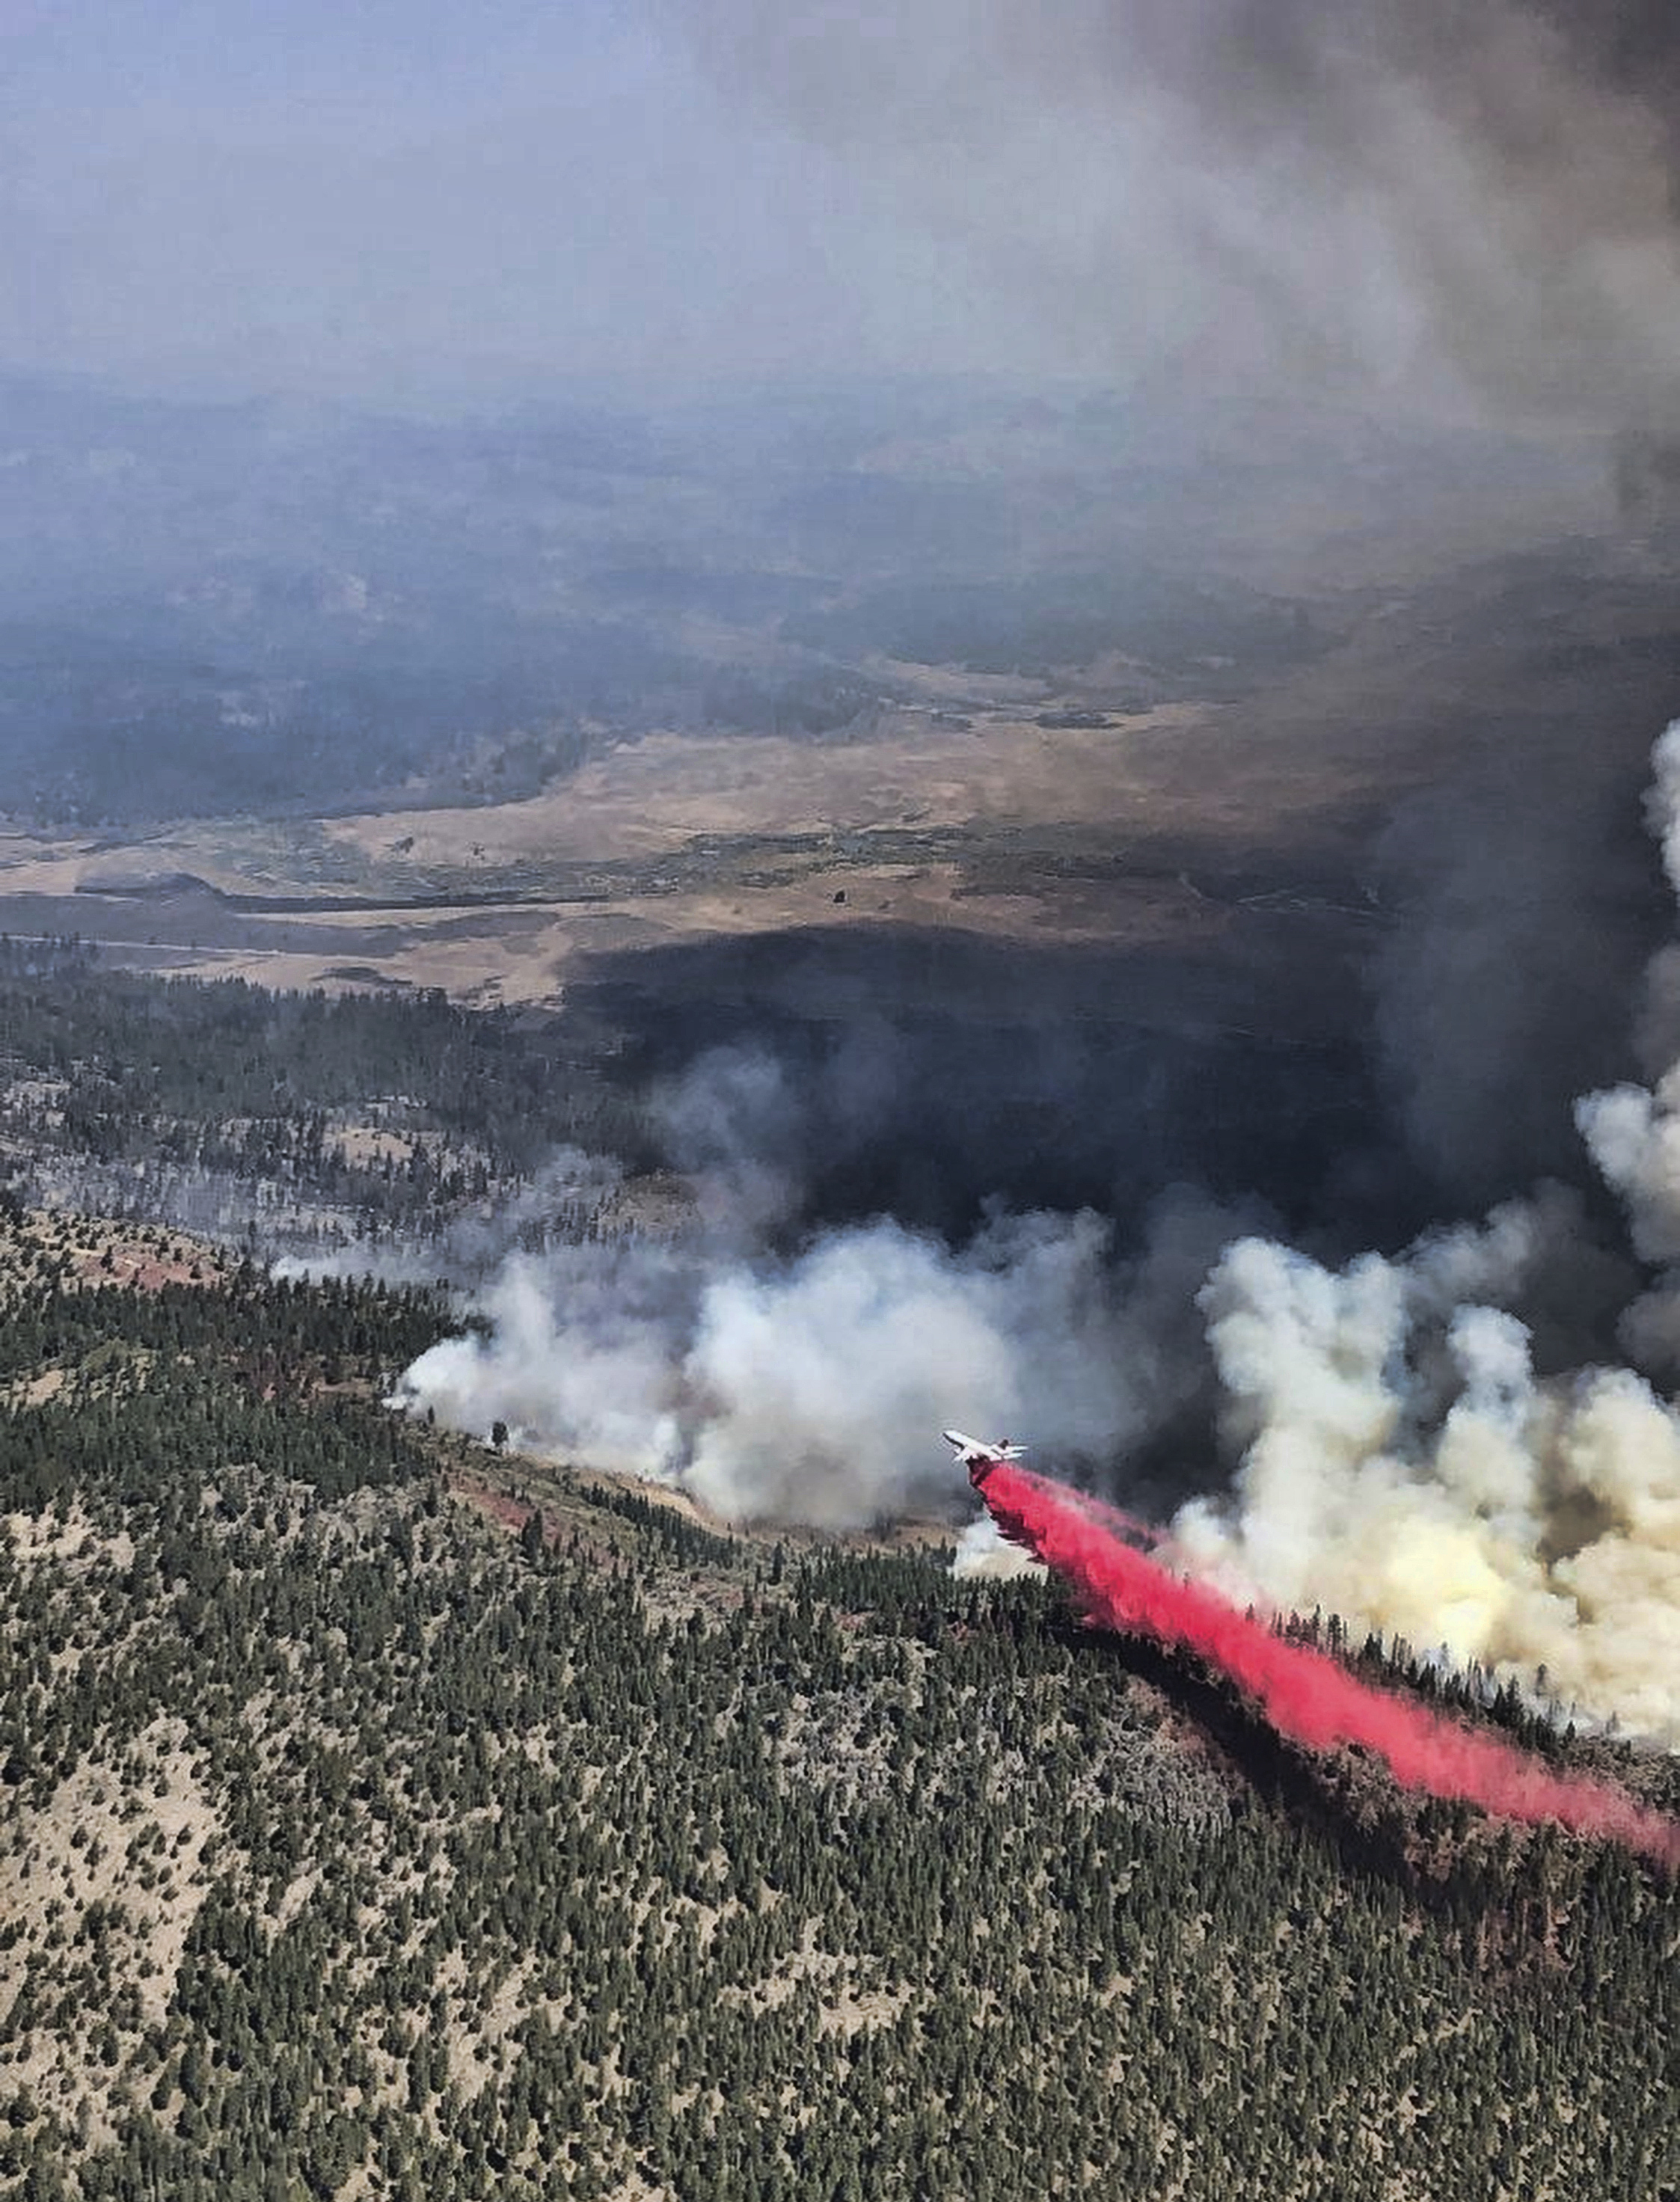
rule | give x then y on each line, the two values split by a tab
1401	1462
807	1386
984	1553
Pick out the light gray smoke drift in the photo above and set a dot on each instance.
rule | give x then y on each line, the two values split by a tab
1469	194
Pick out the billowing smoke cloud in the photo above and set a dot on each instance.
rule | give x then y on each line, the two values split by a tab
1401	1463
1529	1526
1480	188
804	1386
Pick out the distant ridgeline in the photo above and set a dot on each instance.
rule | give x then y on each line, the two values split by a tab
299	1118
356	1844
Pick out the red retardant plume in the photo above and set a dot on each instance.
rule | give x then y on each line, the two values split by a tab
1304	1693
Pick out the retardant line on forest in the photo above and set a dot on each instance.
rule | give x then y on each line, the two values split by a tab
1306	1694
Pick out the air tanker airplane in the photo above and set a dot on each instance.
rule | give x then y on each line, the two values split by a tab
979	1458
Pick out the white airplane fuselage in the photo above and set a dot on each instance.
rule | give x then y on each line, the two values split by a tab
979	1458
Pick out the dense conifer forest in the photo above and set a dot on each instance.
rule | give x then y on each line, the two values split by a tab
386	1818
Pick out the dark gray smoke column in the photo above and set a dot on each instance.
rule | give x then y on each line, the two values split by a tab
1526	906
1521	155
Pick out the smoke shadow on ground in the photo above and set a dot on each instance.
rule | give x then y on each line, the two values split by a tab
1050	1138
930	1074
925	1074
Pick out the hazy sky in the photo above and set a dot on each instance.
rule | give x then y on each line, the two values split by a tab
402	192
403	196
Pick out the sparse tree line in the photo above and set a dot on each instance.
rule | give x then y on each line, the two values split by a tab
200	1103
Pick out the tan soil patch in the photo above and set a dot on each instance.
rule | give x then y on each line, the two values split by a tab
92	1250
653	795
106	1838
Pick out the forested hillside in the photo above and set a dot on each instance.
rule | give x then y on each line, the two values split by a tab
367	1836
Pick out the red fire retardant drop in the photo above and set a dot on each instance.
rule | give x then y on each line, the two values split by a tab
1306	1694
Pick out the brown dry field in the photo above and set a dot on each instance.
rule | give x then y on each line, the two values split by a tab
677	838
655	794
959	812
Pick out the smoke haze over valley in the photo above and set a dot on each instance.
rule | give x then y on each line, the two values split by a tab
1133	766
1040	638
729	734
